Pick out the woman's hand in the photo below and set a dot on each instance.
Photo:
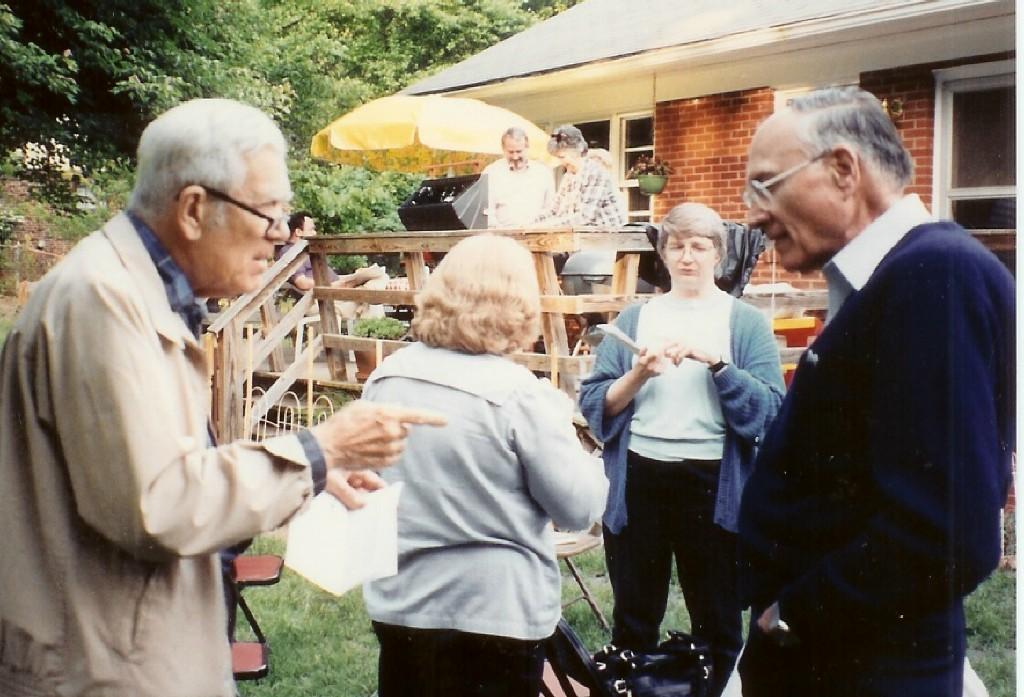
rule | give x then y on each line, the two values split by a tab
676	352
648	364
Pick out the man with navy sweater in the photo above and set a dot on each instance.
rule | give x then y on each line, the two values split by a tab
874	504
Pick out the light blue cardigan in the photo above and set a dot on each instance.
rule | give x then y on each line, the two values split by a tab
750	391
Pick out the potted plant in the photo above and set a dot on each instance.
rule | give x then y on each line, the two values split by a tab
651	174
375	328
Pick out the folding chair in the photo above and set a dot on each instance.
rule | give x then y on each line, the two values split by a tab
250	660
568	545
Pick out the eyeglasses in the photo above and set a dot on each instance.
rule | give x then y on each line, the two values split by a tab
280	222
758	193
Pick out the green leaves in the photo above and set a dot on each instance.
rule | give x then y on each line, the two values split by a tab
349	199
90	75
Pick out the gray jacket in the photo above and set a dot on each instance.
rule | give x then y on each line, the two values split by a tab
476	551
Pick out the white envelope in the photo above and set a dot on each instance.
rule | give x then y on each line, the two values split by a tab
338	549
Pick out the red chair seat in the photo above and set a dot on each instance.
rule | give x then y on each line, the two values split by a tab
249	660
257	570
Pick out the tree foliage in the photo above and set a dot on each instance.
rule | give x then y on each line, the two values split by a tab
86	76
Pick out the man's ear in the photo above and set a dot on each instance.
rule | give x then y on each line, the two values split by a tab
845	164
192	205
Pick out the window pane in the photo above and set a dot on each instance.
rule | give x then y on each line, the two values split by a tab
639	132
632	157
638	201
986	213
983	138
596	133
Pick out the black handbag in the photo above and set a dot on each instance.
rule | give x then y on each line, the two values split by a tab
680	666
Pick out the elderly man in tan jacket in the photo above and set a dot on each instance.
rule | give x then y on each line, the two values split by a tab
113	498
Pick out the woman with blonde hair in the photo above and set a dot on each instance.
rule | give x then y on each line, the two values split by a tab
478	585
680	425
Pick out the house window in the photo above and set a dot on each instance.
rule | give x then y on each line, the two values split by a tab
596	133
637	139
975	146
632	137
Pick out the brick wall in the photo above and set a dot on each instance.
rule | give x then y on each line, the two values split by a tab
32	248
706	141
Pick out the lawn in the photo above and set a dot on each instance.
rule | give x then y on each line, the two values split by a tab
323	645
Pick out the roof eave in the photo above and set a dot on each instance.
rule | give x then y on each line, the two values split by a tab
759	42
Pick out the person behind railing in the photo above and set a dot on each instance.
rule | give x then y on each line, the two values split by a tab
113	497
477	589
518	188
680	424
586	194
302	225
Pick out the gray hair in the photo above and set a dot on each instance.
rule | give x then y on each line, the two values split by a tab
202	141
693	220
853	116
515	134
567	137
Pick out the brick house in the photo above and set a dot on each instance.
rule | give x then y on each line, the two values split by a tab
690	81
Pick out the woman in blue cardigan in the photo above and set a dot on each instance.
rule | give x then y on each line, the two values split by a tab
680	424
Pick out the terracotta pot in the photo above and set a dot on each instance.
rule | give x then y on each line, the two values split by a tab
366	363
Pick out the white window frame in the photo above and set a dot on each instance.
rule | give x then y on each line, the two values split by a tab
948	82
618	148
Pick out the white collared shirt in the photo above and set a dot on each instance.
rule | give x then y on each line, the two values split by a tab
852	266
517	197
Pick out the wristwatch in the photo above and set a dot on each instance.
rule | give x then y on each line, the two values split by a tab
716	368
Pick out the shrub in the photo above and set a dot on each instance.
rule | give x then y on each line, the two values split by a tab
379	328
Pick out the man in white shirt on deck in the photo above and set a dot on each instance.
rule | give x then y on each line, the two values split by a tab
518	188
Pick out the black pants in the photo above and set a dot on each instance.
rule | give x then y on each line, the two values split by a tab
670	508
916	658
449	663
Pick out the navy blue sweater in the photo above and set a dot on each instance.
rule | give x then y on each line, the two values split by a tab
874	502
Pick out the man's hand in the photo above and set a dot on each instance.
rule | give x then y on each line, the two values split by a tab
349	487
367	435
771	623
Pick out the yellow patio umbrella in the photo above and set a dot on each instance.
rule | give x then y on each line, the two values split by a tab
407	133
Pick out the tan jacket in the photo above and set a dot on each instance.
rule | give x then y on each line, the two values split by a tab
111	504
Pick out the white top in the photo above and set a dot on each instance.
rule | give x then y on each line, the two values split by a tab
516	197
852	266
677	414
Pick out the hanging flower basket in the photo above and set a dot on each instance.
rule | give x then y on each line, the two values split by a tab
650	173
651	183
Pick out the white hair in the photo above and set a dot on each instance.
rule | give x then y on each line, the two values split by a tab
202	141
852	115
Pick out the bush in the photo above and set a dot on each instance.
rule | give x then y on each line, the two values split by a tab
379	328
349	199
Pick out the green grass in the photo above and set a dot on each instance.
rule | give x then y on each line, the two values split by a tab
323	645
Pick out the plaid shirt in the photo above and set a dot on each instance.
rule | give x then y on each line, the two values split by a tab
586	197
179	291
